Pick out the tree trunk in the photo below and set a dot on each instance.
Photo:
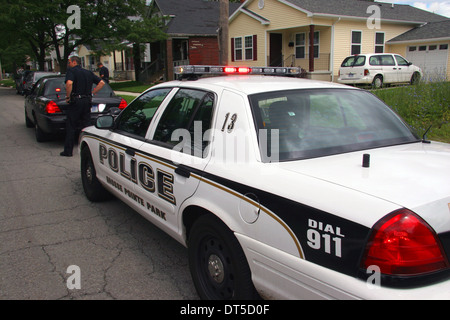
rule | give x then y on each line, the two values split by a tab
223	31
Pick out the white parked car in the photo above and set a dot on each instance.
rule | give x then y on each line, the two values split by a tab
280	187
378	69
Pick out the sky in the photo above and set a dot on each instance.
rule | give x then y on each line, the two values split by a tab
441	7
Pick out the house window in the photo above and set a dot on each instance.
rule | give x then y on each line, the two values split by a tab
443	47
237	49
244	48
412	49
356	42
300	45
316	43
248	48
379	42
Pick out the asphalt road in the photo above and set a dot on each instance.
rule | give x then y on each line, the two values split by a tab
47	226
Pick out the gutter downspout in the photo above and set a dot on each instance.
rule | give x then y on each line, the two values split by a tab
332	49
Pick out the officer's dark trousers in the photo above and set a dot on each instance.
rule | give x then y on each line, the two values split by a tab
78	117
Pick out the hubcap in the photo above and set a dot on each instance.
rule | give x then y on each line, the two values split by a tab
215	268
89	173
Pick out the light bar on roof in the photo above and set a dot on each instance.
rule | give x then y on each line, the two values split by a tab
233	70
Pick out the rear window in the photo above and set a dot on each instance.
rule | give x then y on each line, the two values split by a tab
354	61
302	124
56	88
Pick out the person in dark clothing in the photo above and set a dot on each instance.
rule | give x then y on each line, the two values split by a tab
104	72
79	93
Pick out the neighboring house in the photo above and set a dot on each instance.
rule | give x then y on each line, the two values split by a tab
119	63
318	34
427	46
192	29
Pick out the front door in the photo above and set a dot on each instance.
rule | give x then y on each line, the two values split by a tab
276	50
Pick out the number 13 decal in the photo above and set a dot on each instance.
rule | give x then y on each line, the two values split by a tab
231	122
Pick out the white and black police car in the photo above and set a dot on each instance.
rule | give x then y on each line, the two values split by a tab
280	187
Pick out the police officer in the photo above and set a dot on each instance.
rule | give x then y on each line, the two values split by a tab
103	72
79	96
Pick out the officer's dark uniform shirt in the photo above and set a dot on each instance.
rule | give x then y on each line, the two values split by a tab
82	80
105	73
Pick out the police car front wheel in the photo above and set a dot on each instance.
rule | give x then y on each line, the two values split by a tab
218	265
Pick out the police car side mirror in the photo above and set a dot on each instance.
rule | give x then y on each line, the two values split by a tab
105	122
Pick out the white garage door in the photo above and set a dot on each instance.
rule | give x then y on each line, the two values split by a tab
431	58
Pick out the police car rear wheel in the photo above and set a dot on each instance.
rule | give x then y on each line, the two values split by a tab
92	187
218	265
40	135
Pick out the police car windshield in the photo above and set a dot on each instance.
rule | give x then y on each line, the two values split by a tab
302	124
56	89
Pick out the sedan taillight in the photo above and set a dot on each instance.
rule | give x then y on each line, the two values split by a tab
123	104
52	107
402	244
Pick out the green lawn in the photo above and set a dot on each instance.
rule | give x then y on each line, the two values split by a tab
422	105
129	86
8	82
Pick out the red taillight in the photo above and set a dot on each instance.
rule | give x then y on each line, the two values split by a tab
51	107
404	244
366	72
123	104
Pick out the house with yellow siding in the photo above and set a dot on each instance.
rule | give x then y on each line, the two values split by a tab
317	35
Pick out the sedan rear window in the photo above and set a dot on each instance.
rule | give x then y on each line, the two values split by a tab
56	89
303	124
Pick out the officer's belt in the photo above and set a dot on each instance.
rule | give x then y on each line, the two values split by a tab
81	96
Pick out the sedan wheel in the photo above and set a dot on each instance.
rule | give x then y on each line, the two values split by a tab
41	136
218	265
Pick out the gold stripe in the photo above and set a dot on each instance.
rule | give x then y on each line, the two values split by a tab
268	212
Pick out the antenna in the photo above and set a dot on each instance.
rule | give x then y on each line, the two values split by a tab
424	138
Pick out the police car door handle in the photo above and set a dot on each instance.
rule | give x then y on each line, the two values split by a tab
130	152
183	171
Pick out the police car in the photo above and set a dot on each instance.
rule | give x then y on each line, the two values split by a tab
280	187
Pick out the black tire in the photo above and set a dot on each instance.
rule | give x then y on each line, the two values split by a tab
217	263
40	135
93	189
377	82
415	79
28	122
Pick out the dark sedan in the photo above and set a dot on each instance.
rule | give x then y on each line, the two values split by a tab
45	106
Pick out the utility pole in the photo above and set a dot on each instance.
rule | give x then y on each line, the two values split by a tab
223	31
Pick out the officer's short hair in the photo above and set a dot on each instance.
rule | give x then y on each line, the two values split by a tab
76	59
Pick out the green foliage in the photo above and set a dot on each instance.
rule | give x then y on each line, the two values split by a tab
43	25
421	106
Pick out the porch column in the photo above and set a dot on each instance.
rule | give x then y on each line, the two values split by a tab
311	48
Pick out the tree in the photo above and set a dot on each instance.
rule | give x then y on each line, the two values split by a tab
223	31
46	24
138	30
